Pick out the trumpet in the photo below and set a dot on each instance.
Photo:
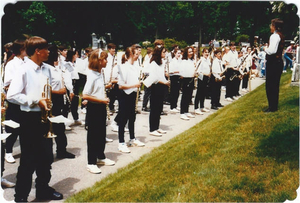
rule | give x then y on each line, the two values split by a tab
45	114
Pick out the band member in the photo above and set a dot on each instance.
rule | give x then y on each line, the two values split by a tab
158	83
216	80
247	70
26	90
203	73
58	92
187	71
13	111
94	92
274	65
147	91
128	85
231	66
175	80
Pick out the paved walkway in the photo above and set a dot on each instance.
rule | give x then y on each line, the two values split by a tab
69	176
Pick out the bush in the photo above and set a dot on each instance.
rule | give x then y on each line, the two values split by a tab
242	38
169	42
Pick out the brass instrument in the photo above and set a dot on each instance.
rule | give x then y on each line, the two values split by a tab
241	73
45	114
107	107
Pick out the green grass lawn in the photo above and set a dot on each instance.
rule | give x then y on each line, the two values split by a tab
238	154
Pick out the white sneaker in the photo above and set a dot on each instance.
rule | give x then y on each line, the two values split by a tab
198	112
189	115
93	168
162	131
244	90
184	117
109	140
135	142
126	129
83	110
123	148
228	99
155	133
68	128
223	88
205	110
114	126
6	183
174	111
178	108
9	158
106	162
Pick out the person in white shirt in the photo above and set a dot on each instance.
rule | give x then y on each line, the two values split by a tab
187	71
37	156
158	83
58	92
94	92
13	111
147	91
247	70
274	65
128	84
175	80
203	73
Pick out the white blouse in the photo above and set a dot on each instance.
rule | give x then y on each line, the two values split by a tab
187	68
94	85
130	76
156	74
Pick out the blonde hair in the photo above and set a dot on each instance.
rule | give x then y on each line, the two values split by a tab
94	59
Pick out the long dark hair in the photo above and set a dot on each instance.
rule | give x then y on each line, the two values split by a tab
70	55
53	54
156	56
185	52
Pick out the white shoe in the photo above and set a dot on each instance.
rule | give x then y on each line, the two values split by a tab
126	129
93	168
205	110
83	110
228	99
135	142
6	183
123	148
68	128
155	133
162	131
109	140
106	162
189	115
244	90
198	112
9	158
114	126
223	88
174	111
178	108
184	117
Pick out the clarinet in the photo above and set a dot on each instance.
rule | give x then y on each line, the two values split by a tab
107	107
235	75
168	72
137	93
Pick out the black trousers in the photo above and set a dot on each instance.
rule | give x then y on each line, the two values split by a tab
274	69
201	93
36	155
75	100
12	113
126	114
156	105
147	94
59	128
113	96
215	91
229	83
245	80
187	93
82	81
174	90
96	115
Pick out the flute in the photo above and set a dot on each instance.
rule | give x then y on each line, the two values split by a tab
138	90
107	107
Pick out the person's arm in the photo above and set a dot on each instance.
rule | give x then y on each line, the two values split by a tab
273	46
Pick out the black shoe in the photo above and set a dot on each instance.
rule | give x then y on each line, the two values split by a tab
49	194
65	155
20	200
146	109
220	105
268	110
214	107
163	113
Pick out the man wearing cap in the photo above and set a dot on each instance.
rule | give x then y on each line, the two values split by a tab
288	55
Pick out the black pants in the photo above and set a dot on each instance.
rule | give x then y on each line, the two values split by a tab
274	69
12	113
96	115
215	91
156	105
201	93
174	90
75	100
147	94
187	93
229	83
245	80
113	96
126	113
36	155
82	81
59	128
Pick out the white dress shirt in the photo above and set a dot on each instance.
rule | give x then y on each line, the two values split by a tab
111	61
273	44
232	57
94	85
204	68
217	68
11	69
175	66
71	68
27	87
156	74
130	75
187	68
